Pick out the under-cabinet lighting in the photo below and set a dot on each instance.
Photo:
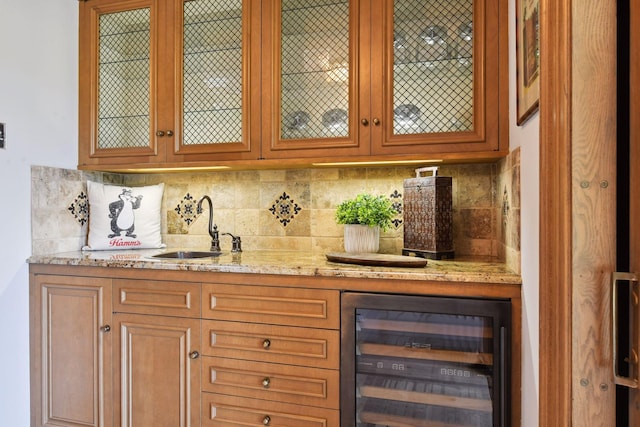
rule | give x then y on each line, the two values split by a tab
178	169
377	163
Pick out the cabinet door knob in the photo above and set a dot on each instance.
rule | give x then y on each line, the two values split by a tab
376	121
160	133
169	133
105	328
266	344
266	420
364	122
266	382
194	354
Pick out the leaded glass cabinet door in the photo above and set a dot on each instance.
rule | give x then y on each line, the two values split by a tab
215	114
439	72
167	82
311	89
117	79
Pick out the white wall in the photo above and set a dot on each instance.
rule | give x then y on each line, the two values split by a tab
527	138
38	104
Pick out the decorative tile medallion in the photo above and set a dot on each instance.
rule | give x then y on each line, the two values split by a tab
285	209
396	203
505	202
79	208
187	208
505	207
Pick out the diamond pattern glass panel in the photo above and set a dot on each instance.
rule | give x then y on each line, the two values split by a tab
124	81
433	66
212	85
314	99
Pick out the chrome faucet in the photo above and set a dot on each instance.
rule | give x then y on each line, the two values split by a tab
213	229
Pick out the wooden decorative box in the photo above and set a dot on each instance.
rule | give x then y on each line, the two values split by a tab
428	215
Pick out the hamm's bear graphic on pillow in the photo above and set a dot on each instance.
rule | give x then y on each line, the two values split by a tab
122	215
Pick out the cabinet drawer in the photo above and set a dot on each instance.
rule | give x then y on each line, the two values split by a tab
270	381
318	348
222	410
180	299
316	308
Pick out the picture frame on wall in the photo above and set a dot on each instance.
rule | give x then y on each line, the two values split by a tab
528	58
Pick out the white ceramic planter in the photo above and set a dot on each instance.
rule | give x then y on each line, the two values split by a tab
361	238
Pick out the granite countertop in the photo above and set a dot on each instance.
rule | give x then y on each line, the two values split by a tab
288	263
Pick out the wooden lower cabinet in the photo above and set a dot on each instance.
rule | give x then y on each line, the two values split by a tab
318	348
136	348
157	374
258	369
313	308
70	351
220	410
271	381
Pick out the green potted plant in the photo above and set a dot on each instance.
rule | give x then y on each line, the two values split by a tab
363	217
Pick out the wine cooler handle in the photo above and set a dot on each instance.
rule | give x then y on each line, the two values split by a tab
631	382
503	374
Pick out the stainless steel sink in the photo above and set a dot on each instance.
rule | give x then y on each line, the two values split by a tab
187	254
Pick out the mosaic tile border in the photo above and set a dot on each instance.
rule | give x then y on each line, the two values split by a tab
396	203
79	208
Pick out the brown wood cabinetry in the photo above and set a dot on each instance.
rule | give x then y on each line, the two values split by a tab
71	351
167	82
384	79
272	305
135	346
221	410
247	83
256	356
157	357
157	374
270	381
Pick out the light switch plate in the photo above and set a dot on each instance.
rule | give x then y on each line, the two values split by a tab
2	135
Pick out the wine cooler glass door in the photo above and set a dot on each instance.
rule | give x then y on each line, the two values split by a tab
418	361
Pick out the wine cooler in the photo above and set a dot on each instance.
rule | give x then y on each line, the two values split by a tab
424	361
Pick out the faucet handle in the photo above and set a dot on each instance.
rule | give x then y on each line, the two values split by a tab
236	243
215	239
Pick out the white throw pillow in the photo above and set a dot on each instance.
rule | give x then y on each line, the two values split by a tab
122	217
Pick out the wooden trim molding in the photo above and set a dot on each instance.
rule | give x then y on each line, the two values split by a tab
555	213
634	159
577	210
594	169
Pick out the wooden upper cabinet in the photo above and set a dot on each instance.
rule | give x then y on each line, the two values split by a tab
167	82
209	82
310	79
384	78
439	70
216	95
119	83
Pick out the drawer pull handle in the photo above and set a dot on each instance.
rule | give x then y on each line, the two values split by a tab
105	328
194	354
266	420
266	344
266	382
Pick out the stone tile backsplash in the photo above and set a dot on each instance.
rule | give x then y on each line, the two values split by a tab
287	209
